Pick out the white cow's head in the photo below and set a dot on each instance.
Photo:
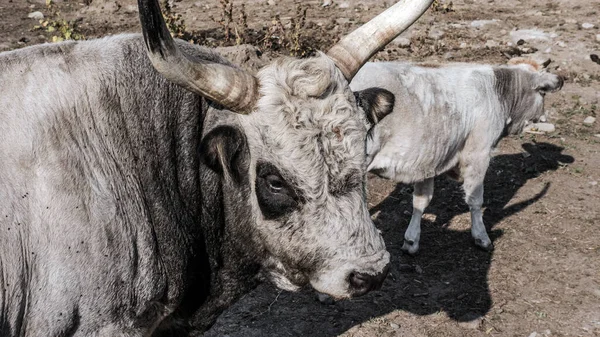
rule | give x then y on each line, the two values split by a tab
521	86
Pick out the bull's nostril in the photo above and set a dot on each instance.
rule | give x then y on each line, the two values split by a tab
360	282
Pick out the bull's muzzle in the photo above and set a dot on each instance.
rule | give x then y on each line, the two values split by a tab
362	283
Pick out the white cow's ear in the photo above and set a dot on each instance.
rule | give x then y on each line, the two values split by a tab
376	102
547	82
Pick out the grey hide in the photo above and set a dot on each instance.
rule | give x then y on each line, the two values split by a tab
448	119
118	218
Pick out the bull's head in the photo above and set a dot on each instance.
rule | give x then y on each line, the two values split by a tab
296	151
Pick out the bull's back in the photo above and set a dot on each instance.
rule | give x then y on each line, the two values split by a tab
72	256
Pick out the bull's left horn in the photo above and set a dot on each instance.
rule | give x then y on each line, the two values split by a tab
356	48
233	88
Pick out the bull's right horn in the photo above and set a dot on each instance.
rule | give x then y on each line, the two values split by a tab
356	48
233	88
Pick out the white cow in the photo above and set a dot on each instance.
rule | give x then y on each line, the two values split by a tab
448	119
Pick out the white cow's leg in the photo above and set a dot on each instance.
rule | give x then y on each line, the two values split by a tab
473	186
423	192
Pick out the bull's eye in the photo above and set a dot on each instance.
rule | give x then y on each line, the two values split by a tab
276	197
275	183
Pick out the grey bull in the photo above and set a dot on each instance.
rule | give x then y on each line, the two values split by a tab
123	214
448	119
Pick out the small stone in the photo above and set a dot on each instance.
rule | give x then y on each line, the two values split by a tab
593	183
587	25
37	15
401	42
483	23
344	5
528	35
394	326
537	128
543	119
463	45
491	44
597	37
129	9
533	334
589	120
561	44
436	34
597	135
326	3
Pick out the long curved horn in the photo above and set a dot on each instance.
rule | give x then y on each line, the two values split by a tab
356	48
235	89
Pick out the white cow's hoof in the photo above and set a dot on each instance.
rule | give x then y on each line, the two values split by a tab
410	247
484	244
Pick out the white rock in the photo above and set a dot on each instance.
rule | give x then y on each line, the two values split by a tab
463	45
587	25
540	128
483	23
344	5
529	35
593	183
589	120
436	34
548	50
132	9
35	15
394	326
491	43
543	119
401	42
597	135
533	334
597	37
326	3
561	44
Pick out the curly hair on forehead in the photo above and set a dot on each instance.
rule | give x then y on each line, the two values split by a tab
303	78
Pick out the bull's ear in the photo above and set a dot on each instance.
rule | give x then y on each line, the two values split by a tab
224	150
376	102
548	82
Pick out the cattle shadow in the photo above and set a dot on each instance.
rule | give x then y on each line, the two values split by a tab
448	275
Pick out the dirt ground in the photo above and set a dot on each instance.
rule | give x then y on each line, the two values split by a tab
542	196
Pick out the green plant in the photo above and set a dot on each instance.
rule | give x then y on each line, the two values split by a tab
175	22
292	39
60	28
438	6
